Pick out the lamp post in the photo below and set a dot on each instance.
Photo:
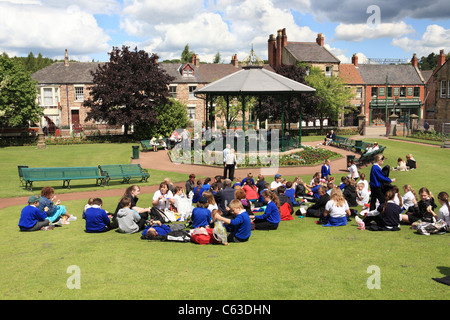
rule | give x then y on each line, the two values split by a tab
386	108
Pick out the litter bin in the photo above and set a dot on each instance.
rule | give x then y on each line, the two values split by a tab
350	157
358	145
135	152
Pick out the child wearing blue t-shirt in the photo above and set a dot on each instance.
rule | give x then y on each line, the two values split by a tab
32	219
241	225
201	215
97	219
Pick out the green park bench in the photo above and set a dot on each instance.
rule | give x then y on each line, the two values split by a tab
361	146
147	146
368	157
65	174
340	142
126	172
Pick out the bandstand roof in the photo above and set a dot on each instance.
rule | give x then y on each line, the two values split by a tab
254	80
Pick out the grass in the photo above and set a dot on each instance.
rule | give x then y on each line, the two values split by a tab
69	156
299	261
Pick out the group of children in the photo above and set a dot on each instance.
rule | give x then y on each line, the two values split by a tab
247	205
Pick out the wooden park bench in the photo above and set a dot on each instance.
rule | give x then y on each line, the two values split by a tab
126	172
65	174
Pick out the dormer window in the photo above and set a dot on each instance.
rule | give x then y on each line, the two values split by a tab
187	71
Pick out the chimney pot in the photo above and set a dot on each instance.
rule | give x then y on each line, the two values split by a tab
414	60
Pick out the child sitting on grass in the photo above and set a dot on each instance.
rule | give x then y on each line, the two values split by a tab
129	220
32	219
97	219
241	225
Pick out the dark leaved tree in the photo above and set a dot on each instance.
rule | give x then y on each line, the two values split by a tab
271	107
128	89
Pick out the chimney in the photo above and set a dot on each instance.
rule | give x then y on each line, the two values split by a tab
234	61
440	59
195	60
279	49
355	60
66	59
320	39
271	48
414	60
284	37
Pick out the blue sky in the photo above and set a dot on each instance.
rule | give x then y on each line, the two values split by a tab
89	29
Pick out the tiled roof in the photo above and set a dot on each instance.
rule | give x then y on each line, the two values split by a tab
349	74
310	52
80	72
397	74
74	73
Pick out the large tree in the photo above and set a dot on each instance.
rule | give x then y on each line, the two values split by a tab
334	95
17	94
271	107
128	89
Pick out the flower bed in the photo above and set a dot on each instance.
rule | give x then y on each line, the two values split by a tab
310	156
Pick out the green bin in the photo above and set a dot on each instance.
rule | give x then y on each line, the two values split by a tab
350	157
135	152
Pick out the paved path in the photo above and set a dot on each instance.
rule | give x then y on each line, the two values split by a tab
160	161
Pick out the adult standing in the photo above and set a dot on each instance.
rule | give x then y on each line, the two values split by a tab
377	179
226	151
230	163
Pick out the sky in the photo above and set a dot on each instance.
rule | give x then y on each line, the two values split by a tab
89	29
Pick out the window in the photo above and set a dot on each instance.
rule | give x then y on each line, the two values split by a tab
191	92
191	112
358	93
381	91
410	91
402	92
396	91
374	92
390	92
79	93
48	97
329	72
443	89
417	92
173	91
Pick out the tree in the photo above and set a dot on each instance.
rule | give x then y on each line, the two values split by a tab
128	89
217	57
271	107
171	116
186	55
334	96
17	95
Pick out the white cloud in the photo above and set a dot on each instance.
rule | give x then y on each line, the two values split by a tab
228	26
434	39
360	32
25	28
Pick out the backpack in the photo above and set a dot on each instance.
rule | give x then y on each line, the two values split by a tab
203	236
285	212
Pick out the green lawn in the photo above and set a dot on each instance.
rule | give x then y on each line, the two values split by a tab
299	261
69	156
